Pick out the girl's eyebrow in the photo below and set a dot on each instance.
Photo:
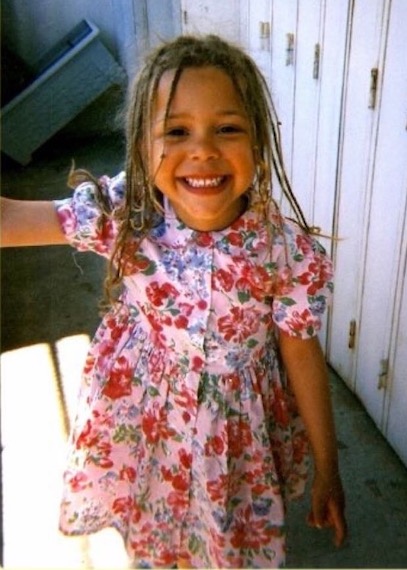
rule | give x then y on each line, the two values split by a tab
221	113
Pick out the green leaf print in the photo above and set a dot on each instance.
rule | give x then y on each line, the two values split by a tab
125	433
243	296
287	301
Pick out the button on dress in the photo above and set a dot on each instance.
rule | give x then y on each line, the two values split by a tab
187	438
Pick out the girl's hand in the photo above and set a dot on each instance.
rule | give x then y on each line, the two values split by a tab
328	506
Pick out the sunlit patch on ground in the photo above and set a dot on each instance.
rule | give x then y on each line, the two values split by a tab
39	385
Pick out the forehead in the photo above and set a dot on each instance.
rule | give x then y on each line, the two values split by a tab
197	85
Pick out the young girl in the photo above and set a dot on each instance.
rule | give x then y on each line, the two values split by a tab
205	380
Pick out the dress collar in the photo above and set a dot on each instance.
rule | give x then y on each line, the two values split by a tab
247	231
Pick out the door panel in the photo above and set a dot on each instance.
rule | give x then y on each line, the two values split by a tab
359	124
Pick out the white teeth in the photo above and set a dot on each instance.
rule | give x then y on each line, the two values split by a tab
204	182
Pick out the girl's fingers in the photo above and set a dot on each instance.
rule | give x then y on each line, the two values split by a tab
331	517
338	522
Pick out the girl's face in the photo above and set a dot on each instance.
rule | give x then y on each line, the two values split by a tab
202	158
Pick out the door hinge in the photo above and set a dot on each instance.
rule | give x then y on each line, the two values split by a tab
374	76
317	56
352	334
265	36
289	52
384	374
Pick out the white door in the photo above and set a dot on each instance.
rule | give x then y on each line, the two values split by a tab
395	426
332	34
306	103
320	48
211	17
381	377
357	152
283	50
255	33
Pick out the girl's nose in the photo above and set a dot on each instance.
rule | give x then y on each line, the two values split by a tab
204	147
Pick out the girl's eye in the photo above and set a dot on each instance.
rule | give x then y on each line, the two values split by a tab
229	129
176	132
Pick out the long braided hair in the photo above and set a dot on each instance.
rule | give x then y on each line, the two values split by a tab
143	199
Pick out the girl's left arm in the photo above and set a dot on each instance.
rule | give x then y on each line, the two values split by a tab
308	377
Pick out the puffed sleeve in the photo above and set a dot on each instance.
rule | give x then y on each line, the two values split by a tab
307	274
81	217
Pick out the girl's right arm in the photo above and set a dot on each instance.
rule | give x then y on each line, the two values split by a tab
26	222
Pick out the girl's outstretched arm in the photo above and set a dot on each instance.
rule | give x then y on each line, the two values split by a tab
26	222
308	376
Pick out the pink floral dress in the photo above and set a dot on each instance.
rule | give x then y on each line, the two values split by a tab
187	439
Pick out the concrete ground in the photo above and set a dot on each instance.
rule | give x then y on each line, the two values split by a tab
49	313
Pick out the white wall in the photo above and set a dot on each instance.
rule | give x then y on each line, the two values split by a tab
128	27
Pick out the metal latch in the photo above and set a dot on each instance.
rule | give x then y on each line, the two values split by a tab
384	374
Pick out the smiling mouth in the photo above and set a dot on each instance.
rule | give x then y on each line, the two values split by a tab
206	184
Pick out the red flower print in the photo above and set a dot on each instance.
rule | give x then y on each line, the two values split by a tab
141	547
181	322
281	283
197	364
249	533
132	262
279	407
217	489
186	399
239	437
154	321
185	458
78	482
238	224
119	381
166	473
127	474
178	503
235	238
319	272
222	280
157	293
300	447
204	239
164	557
202	305
186	416
122	505
186	308
214	446
106	233
103	462
89	364
88	436
155	425
304	244
136	513
253	281
180	482
301	321
240	324
115	328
